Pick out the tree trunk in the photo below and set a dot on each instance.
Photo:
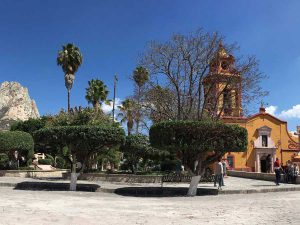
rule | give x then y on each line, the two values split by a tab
69	108
198	172
73	181
194	186
97	106
138	111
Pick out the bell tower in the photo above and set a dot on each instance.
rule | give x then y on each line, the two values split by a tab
222	86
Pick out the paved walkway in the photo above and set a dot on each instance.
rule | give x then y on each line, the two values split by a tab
64	207
233	185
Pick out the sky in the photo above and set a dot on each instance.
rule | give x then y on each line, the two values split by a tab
112	34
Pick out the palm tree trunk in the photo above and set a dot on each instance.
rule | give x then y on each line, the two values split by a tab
69	108
96	106
138	111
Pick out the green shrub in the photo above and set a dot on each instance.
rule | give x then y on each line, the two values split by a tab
50	157
4	160
46	161
11	141
170	165
61	163
25	168
135	148
29	125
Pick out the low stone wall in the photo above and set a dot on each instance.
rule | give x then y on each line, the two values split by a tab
124	178
257	176
33	173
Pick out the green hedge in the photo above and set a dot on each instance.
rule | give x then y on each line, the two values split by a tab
22	142
199	136
82	141
45	161
3	161
84	137
198	140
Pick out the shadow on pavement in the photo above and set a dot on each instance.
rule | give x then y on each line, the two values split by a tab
161	191
51	186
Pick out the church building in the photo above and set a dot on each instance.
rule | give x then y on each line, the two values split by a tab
268	136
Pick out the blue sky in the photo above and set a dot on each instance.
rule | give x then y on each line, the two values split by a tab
111	34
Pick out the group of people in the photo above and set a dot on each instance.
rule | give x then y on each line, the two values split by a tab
290	171
220	172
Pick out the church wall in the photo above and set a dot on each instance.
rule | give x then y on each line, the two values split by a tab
279	135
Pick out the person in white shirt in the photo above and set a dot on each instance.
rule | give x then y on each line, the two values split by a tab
219	173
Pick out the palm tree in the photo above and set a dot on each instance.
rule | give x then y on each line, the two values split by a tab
96	93
126	114
140	77
69	58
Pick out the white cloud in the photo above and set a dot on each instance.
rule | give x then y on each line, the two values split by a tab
294	112
271	109
108	108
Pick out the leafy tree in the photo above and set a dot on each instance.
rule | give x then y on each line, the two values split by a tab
22	142
76	117
30	125
96	93
127	113
202	142
79	116
69	58
112	156
81	141
135	148
140	77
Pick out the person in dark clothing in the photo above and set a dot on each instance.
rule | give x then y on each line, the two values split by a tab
268	164
277	169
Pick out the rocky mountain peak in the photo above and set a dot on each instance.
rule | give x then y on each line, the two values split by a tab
15	104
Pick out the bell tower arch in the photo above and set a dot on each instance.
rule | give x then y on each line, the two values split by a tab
223	86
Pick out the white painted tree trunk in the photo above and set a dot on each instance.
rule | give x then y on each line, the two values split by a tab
193	186
74	175
73	182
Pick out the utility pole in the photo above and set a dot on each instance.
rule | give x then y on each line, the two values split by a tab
298	132
114	100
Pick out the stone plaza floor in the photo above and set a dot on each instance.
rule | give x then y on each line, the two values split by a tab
63	207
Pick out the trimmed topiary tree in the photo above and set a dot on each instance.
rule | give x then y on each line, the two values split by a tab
198	143
22	142
82	142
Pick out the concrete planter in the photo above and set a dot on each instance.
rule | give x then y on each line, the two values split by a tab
257	176
123	178
33	173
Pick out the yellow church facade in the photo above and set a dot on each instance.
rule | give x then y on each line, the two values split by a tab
268	136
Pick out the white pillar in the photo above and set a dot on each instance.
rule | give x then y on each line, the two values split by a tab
272	163
257	162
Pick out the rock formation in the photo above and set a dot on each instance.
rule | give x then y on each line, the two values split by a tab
15	104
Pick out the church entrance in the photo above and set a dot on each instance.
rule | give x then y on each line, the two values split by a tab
265	158
263	165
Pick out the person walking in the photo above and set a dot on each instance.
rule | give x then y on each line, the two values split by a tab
224	171
219	173
277	171
295	173
215	174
